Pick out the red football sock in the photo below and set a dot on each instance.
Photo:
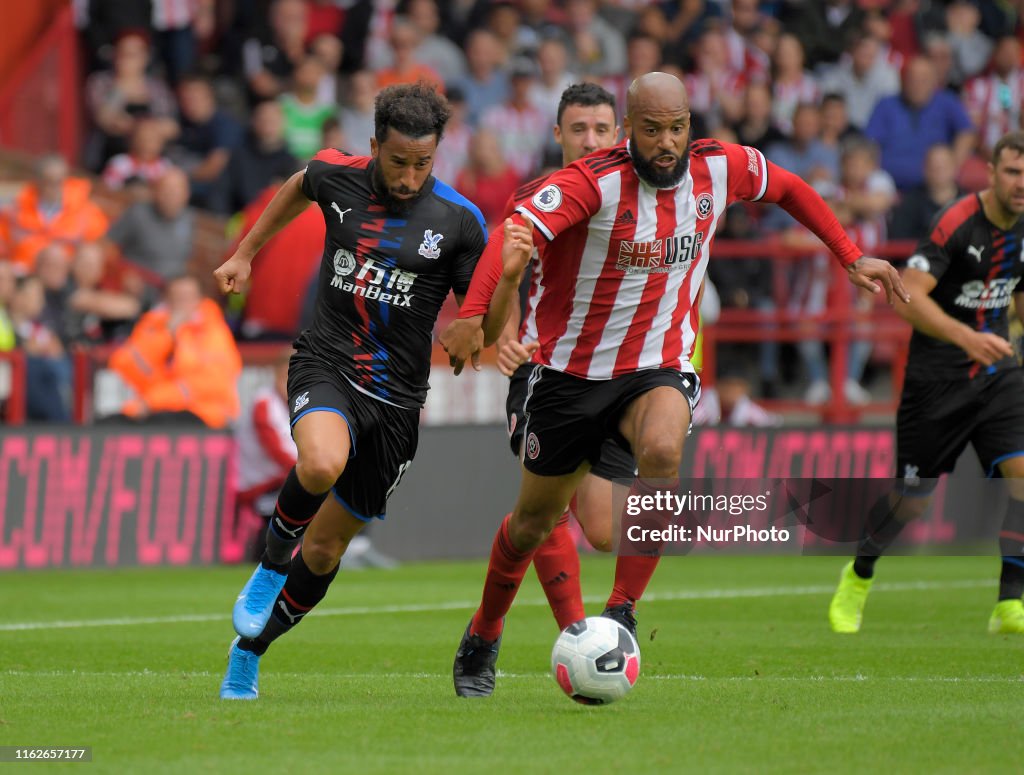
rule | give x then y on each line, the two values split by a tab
558	568
632	574
633	570
505	573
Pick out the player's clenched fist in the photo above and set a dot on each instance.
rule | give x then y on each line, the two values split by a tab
232	274
512	354
516	249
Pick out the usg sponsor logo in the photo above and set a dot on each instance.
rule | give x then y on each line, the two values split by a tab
659	256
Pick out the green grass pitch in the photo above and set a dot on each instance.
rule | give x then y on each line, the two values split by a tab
740	674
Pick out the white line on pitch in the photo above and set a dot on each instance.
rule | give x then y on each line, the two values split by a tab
203	674
698	594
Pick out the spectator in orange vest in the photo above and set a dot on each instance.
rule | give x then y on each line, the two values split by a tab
181	360
54	208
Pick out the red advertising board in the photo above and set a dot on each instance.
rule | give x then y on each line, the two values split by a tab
92	497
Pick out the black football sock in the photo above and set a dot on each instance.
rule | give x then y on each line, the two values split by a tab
881	530
303	590
1011	547
295	509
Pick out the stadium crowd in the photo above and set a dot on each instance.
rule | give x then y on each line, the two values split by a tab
889	109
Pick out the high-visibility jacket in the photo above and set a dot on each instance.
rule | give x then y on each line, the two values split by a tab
24	231
8	339
195	368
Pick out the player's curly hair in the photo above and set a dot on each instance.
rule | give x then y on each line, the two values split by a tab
414	109
586	94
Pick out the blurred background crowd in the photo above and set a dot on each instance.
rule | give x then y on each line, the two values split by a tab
196	109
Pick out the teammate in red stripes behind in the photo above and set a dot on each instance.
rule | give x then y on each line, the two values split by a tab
585	123
630	231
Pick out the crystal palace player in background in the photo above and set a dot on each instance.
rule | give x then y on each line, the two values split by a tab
630	231
397	242
963	381
585	122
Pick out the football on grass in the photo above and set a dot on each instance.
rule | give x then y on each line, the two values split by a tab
596	661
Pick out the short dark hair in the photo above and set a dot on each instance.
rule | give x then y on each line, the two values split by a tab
1014	141
586	94
414	109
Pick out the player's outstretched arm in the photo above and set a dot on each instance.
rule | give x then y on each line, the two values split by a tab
516	249
928	317
287	204
497	277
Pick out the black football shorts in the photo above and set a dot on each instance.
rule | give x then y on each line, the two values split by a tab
937	419
568	420
384	436
613	462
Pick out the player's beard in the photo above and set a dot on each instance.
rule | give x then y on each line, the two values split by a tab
656	177
392	203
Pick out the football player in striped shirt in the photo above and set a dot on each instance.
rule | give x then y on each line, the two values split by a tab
630	230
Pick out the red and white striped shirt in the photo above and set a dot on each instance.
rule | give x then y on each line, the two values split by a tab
787	96
746	58
994	104
124	168
621	292
621	262
703	89
265	452
516	129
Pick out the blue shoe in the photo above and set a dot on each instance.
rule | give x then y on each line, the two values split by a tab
256	601
241	682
